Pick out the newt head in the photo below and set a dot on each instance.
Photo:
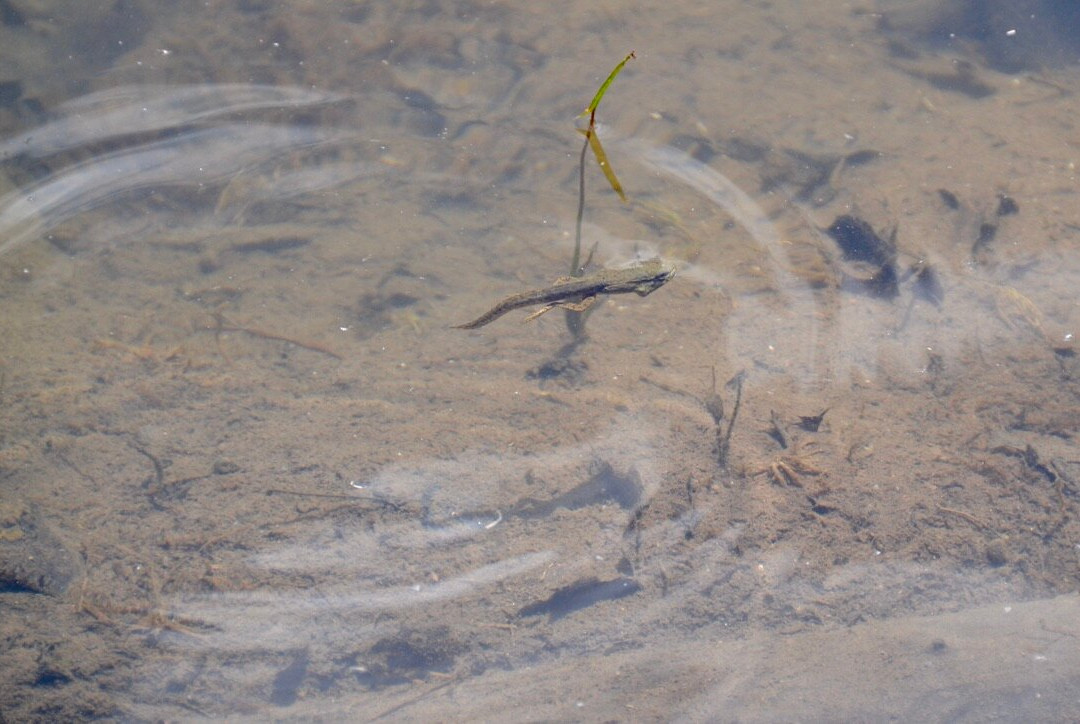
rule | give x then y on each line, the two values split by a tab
663	274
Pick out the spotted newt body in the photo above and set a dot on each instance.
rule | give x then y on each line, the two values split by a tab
577	293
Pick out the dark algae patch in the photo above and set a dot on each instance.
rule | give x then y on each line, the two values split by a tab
604	486
861	245
579	595
859	242
287	682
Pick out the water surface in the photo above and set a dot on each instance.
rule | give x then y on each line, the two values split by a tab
249	468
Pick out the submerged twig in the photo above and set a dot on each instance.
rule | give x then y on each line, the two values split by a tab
576	267
223	325
724	443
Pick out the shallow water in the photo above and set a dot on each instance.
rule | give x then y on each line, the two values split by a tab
249	469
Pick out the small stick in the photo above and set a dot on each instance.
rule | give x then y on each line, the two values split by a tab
725	444
966	516
413	699
224	326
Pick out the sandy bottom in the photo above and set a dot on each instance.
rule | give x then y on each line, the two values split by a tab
249	469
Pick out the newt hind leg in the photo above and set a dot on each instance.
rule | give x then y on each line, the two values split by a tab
572	306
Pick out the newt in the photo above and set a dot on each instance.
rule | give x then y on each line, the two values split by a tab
578	293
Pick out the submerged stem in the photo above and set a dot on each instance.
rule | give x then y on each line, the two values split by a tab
575	321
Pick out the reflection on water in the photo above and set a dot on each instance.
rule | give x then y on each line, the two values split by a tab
148	138
107	116
249	469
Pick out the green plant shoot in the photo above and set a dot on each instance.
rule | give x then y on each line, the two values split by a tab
590	111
